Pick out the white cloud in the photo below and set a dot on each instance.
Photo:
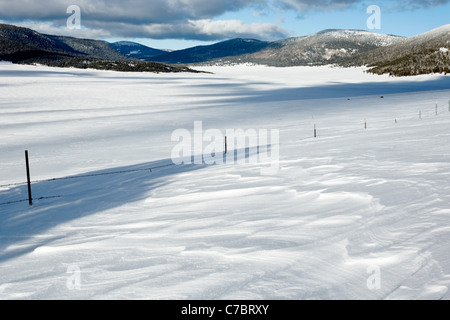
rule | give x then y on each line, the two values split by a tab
236	28
176	19
48	28
131	11
325	5
203	30
305	5
206	29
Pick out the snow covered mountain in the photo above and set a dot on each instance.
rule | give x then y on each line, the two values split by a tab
322	48
386	54
425	53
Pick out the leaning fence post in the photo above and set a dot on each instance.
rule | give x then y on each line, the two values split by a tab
30	198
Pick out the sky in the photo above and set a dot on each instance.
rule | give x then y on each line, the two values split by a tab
178	24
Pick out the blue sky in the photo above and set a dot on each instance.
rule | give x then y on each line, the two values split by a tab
177	24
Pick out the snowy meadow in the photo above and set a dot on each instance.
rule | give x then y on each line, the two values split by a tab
361	211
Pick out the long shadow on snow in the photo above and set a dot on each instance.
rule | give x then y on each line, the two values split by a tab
55	71
76	197
332	90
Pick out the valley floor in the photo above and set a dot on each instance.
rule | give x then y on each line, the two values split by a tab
362	211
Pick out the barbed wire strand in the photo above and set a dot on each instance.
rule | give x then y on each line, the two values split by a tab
24	200
87	175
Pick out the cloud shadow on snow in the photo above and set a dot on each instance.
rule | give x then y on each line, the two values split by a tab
246	94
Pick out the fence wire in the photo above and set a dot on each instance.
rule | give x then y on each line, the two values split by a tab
76	177
437	111
25	200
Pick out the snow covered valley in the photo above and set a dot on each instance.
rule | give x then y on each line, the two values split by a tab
361	211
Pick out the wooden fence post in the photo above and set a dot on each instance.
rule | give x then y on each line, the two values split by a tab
30	198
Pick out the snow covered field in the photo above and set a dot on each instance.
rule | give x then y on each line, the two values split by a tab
355	213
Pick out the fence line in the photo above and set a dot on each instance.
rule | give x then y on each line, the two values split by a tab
77	177
437	112
87	175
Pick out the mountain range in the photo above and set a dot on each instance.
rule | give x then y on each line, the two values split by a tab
383	54
322	48
26	46
200	54
398	56
422	54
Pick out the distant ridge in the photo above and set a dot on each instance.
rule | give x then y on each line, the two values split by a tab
422	54
136	50
229	48
17	42
26	46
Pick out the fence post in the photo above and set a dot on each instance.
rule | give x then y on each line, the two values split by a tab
436	109
226	145
315	131
30	198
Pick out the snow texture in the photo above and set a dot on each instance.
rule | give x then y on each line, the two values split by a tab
356	213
